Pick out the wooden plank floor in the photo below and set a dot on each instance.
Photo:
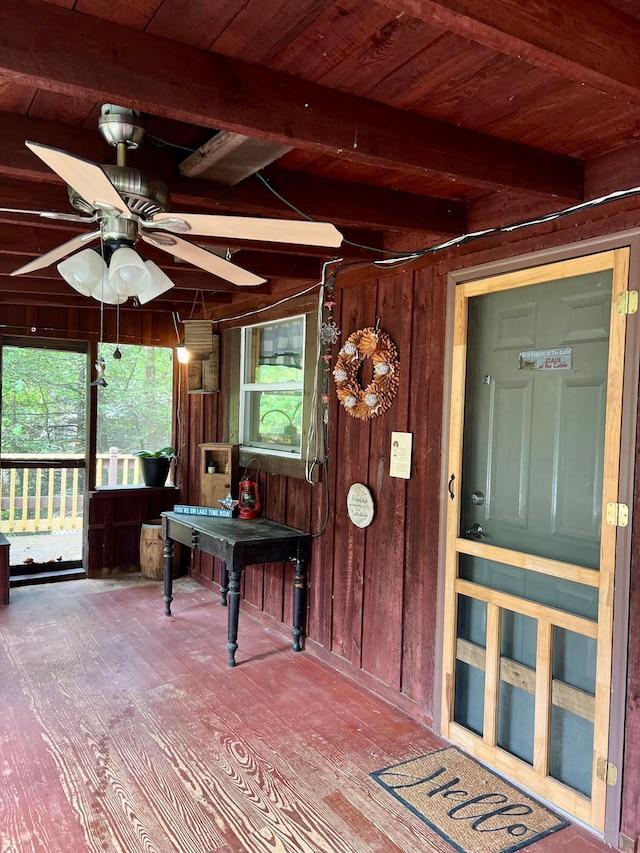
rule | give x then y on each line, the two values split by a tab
122	730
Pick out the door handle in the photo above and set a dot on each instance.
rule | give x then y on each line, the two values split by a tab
476	532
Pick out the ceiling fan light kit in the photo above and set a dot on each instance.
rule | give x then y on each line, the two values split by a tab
83	271
159	283
128	275
126	205
127	272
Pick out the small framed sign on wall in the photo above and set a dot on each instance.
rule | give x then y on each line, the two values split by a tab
400	457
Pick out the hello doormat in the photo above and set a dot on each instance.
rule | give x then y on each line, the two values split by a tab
468	805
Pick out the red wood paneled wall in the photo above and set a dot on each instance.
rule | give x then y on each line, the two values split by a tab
113	520
373	593
84	323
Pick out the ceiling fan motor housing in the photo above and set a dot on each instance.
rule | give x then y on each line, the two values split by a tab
144	196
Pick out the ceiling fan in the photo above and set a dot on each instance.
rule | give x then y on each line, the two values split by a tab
126	205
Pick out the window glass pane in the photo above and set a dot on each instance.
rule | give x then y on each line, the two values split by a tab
134	411
272	387
274	418
274	353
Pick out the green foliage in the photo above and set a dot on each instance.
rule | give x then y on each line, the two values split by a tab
43	401
163	453
44	396
135	410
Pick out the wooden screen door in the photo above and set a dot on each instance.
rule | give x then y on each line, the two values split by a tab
533	461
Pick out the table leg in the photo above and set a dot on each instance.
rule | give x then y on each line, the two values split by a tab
299	602
234	611
167	553
224	584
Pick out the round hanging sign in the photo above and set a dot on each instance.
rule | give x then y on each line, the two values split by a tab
360	505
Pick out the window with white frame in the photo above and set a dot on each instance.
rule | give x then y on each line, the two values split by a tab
272	372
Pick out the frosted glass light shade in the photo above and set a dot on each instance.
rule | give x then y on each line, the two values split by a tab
158	283
127	272
83	271
105	293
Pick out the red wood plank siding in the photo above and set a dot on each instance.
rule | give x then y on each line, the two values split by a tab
373	593
421	531
114	519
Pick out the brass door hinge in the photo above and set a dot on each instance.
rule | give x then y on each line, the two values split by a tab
627	302
606	771
617	515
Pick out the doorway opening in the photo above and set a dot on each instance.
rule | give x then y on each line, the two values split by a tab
43	457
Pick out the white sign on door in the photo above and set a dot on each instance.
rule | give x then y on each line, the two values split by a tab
546	359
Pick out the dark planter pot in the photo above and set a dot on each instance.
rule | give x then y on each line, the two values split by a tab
155	470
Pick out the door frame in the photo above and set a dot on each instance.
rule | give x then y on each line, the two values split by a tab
630	239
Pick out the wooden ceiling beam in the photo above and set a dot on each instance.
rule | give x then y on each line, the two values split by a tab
590	42
340	202
64	51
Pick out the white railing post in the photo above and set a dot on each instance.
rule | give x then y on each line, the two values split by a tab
113	467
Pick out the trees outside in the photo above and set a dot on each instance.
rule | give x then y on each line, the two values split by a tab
44	413
44	400
135	410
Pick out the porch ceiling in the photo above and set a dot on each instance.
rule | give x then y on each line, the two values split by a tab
404	122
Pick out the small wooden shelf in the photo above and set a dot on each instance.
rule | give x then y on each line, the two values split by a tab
217	483
203	375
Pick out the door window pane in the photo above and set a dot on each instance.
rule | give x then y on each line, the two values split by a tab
572	711
516	700
571	751
470	663
572	597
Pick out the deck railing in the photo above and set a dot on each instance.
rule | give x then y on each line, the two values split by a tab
39	500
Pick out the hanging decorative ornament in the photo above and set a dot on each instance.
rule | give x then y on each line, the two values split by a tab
329	335
377	397
100	381
116	353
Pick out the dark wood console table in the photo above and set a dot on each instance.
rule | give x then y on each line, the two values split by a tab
239	543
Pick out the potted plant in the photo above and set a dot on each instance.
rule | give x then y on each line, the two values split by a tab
155	466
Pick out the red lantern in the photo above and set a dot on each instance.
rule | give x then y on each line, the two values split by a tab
249	498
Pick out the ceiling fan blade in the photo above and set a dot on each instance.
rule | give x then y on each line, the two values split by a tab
50	214
83	176
57	254
202	258
250	228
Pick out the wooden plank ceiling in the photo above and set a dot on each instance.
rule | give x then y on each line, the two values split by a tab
403	122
